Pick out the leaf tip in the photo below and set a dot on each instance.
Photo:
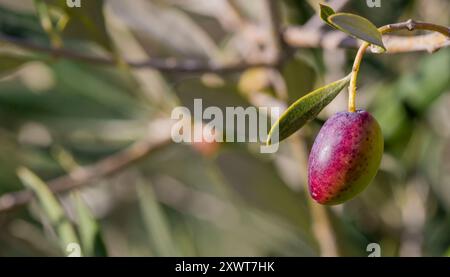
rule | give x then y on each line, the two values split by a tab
325	7
270	140
377	49
325	12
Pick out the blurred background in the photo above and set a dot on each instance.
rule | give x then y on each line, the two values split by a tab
86	93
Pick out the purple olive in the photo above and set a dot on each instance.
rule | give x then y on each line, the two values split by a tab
345	157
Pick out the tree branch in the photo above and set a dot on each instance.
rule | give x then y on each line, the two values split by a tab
409	25
88	174
307	38
162	64
299	37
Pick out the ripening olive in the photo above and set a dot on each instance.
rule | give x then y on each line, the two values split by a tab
345	157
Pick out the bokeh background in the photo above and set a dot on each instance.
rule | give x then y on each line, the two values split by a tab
60	115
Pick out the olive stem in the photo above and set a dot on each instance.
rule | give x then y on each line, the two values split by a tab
409	25
355	71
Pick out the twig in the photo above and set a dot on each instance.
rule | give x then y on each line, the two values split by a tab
430	43
412	25
283	50
409	25
307	38
165	65
275	18
88	174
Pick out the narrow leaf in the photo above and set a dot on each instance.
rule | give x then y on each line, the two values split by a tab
358	27
90	234
51	207
43	12
325	12
155	221
304	110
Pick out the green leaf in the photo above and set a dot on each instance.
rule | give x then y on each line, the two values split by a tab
43	14
155	221
358	27
304	110
85	23
325	12
51	207
90	234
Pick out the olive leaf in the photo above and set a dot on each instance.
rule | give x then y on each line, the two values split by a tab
90	233
304	110
358	27
51	208
325	12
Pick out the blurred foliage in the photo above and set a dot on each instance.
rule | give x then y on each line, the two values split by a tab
229	200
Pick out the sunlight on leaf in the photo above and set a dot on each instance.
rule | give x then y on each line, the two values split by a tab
325	12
